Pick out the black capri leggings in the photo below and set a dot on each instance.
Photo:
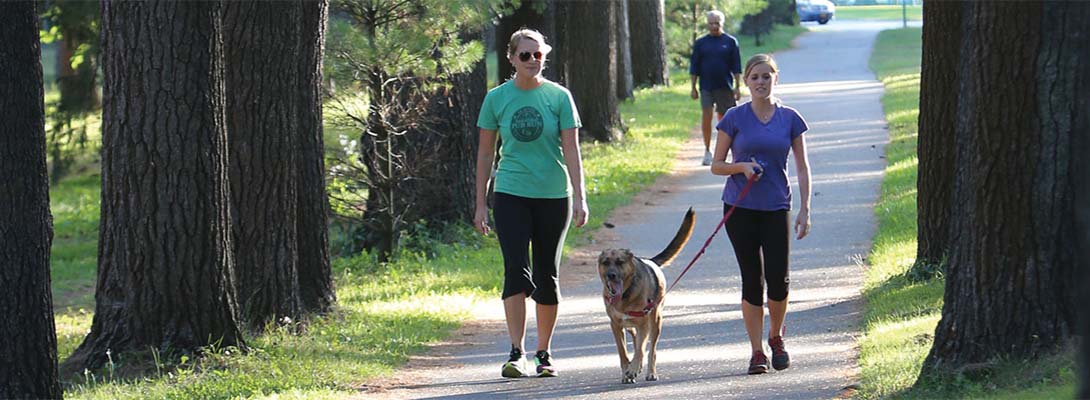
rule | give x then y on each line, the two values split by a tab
761	236
522	222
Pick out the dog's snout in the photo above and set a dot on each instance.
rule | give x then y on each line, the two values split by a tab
611	275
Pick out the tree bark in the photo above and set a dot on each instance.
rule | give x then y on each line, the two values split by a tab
165	266
1080	170
592	69
262	49
445	145
1009	288
624	52
312	219
939	77
648	43
29	340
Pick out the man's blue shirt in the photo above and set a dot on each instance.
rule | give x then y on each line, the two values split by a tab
715	59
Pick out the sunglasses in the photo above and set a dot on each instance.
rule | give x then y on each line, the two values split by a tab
525	56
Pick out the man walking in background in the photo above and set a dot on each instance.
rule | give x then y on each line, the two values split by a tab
717	62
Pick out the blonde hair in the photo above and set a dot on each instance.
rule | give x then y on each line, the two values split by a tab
526	33
717	14
760	59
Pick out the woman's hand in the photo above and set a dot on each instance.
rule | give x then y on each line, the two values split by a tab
480	220
694	94
802	223
579	212
751	169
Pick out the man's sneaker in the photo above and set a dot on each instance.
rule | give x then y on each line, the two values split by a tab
758	364
780	359
515	366
707	158
544	363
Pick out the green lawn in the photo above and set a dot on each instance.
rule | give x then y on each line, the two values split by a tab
386	312
900	315
914	13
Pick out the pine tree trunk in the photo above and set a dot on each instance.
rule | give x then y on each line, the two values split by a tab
28	338
1080	170
624	52
938	79
592	69
262	51
648	43
470	91
165	266
312	218
1010	284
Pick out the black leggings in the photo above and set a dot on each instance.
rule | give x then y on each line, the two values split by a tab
522	222
760	236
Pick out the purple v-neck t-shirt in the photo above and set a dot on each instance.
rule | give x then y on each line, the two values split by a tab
768	144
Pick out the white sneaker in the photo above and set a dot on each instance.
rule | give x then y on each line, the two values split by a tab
707	158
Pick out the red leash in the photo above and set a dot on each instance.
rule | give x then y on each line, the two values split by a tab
651	304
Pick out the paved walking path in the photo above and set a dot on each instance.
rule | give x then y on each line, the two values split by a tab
704	351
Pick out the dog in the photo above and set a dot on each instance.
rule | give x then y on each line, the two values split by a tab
632	289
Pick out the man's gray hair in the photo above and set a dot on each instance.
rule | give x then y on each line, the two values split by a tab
717	15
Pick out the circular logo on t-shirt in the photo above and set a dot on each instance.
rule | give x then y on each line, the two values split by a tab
526	124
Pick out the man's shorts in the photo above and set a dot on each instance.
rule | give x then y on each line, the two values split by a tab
723	99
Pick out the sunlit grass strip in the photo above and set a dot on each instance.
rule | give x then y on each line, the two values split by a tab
893	12
899	316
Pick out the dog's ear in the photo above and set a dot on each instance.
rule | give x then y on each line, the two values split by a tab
628	256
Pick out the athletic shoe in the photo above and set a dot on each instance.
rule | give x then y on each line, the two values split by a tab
780	360
758	364
544	364
707	158
515	367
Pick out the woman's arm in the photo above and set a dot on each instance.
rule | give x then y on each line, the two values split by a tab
802	169
569	143
486	154
720	166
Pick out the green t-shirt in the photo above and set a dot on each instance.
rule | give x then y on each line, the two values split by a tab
529	123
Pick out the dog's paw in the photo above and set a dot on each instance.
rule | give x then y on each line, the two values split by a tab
651	377
628	378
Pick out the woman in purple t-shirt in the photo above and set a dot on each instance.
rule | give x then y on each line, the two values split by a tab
759	134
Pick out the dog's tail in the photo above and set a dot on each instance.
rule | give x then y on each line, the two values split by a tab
682	237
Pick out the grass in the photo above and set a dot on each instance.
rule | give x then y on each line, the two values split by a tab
386	312
900	315
914	13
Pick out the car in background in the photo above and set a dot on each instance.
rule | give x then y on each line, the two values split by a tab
815	10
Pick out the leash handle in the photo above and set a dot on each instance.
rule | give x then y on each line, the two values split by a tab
745	190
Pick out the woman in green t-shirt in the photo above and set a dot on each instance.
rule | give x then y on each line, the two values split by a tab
539	189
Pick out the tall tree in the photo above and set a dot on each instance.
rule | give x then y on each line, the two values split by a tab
1080	170
624	50
74	25
312	218
261	46
29	340
939	75
448	137
389	50
165	266
648	43
591	66
1010	288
